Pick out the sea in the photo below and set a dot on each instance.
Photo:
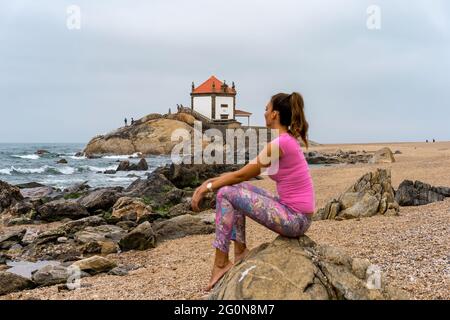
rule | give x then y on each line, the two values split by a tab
20	163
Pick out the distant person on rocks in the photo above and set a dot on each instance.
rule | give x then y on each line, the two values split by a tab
132	121
288	214
126	122
434	141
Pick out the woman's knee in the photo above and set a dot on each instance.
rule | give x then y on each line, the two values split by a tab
223	191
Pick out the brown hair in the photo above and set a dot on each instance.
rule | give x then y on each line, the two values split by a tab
292	115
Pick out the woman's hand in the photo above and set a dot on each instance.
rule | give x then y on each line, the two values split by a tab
198	196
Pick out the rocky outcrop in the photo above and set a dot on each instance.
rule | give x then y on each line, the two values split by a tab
300	269
9	195
383	155
10	282
11	238
339	157
418	193
60	209
372	194
148	137
140	238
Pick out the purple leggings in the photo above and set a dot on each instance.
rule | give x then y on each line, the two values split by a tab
235	202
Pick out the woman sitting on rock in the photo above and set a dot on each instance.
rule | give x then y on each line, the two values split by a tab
289	213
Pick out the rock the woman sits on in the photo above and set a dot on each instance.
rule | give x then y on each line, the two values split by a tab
289	213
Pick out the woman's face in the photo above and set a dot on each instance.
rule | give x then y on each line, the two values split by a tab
269	115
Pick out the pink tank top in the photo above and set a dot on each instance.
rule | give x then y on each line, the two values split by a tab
294	183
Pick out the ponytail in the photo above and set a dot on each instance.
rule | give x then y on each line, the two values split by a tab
299	126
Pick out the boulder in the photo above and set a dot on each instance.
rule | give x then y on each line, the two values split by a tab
147	137
418	193
100	234
51	275
62	161
300	269
39	192
184	225
127	166
95	265
10	282
372	194
9	195
133	209
30	185
61	209
140	238
156	190
101	199
11	238
383	155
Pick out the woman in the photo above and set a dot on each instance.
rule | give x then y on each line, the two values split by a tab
289	213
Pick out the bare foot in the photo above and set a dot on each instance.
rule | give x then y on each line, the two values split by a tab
239	256
217	274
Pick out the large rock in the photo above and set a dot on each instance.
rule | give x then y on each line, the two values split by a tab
299	269
101	199
60	209
11	238
10	282
149	137
95	264
419	193
127	166
372	194
39	193
133	209
51	275
140	238
157	190
383	155
185	225
100	234
9	195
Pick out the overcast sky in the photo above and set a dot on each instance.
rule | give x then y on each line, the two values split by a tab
131	58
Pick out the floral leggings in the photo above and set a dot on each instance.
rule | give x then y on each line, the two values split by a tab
235	202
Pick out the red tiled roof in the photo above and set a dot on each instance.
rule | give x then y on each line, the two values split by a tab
207	86
241	113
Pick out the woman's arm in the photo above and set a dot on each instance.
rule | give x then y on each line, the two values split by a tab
250	170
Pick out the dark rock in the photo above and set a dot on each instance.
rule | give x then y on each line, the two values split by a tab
41	152
10	282
184	225
77	188
127	166
51	275
29	185
157	189
101	199
62	161
22	208
9	195
4	258
419	193
127	225
109	172
11	238
118	271
60	209
140	238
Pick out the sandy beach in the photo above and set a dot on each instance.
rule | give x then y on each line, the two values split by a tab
412	249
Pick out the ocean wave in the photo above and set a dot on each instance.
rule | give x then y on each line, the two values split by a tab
27	156
97	169
124	156
78	158
44	169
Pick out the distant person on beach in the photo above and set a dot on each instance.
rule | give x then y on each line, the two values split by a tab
132	121
288	214
434	141
126	122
